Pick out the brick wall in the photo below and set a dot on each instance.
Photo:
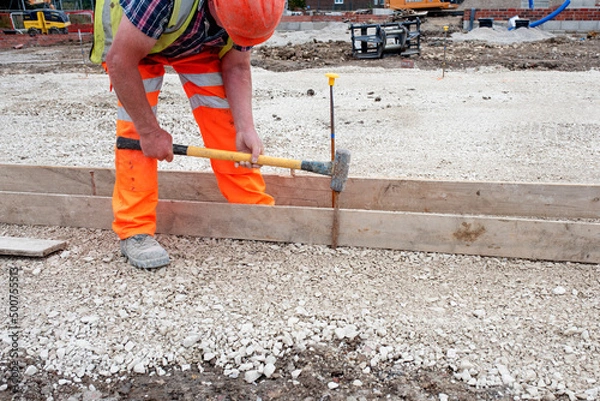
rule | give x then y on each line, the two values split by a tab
345	17
570	14
330	5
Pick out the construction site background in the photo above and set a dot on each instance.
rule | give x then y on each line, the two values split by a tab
580	16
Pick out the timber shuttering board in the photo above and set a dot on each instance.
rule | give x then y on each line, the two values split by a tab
30	247
520	220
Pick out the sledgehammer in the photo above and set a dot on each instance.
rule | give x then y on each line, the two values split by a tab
336	169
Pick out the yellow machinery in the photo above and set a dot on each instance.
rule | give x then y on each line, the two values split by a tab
421	4
46	21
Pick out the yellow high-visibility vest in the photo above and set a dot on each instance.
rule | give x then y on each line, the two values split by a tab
107	18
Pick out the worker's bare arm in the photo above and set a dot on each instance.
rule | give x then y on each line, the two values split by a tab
237	80
129	47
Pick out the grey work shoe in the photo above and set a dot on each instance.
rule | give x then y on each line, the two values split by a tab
144	252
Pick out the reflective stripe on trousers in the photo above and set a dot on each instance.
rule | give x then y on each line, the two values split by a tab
135	194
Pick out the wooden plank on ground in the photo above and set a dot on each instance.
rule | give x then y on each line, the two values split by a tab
30	247
179	185
251	222
55	210
447	233
64	180
472	235
542	200
565	201
100	182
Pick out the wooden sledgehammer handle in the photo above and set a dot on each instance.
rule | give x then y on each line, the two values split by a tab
242	157
184	150
337	169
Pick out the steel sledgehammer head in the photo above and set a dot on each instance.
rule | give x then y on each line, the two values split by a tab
341	167
336	169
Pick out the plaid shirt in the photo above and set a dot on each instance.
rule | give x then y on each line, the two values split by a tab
152	16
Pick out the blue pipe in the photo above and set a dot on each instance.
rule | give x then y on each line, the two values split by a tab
552	15
531	4
471	19
549	16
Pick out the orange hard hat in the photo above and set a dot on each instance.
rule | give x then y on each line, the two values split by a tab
249	22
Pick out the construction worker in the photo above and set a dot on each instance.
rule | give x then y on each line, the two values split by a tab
208	43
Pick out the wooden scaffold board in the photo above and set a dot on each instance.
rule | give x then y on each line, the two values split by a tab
31	247
520	220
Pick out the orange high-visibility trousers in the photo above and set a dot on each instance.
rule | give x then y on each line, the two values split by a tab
135	194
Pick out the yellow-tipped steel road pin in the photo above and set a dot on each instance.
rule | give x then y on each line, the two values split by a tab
335	224
445	37
332	76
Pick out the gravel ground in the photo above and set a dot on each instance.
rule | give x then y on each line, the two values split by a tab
252	320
